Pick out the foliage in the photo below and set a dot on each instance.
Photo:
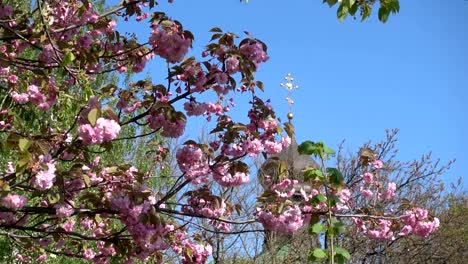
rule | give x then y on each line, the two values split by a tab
362	8
417	182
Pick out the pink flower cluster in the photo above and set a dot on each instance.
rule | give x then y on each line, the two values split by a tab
344	195
45	178
389	193
254	52
227	177
105	130
147	235
370	184
196	109
256	146
14	201
232	65
63	211
382	232
169	43
287	222
171	128
417	222
196	253
42	101
192	162
209	206
202	202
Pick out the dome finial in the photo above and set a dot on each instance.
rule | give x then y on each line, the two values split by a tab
290	86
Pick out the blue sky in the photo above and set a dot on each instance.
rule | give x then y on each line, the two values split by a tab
356	79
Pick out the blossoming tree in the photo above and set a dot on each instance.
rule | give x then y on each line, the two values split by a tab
60	196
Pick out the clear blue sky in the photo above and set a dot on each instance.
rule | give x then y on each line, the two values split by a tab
357	79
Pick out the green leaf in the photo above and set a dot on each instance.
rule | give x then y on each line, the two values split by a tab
318	199
216	29
342	12
68	58
331	2
24	144
366	11
93	116
343	252
313	174
393	6
335	177
353	9
318	253
86	180
317	228
340	227
307	148
349	3
216	36
53	198
318	149
261	86
328	150
383	13
337	227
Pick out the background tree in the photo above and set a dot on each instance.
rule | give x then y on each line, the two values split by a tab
417	182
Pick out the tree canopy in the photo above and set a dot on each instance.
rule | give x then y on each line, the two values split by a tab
89	167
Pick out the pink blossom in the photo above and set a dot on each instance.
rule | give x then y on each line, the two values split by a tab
111	26
10	168
171	128
68	225
63	211
407	229
89	17
41	258
368	177
87	134
417	219
272	147
104	131
424	228
4	71
378	164
44	179
13	79
39	99
382	232
283	184
285	141
192	162
198	253
253	147
269	125
14	201
22	258
89	253
6	11
288	222
7	218
389	193
366	193
226	177
254	52
232	65
169	43
344	195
